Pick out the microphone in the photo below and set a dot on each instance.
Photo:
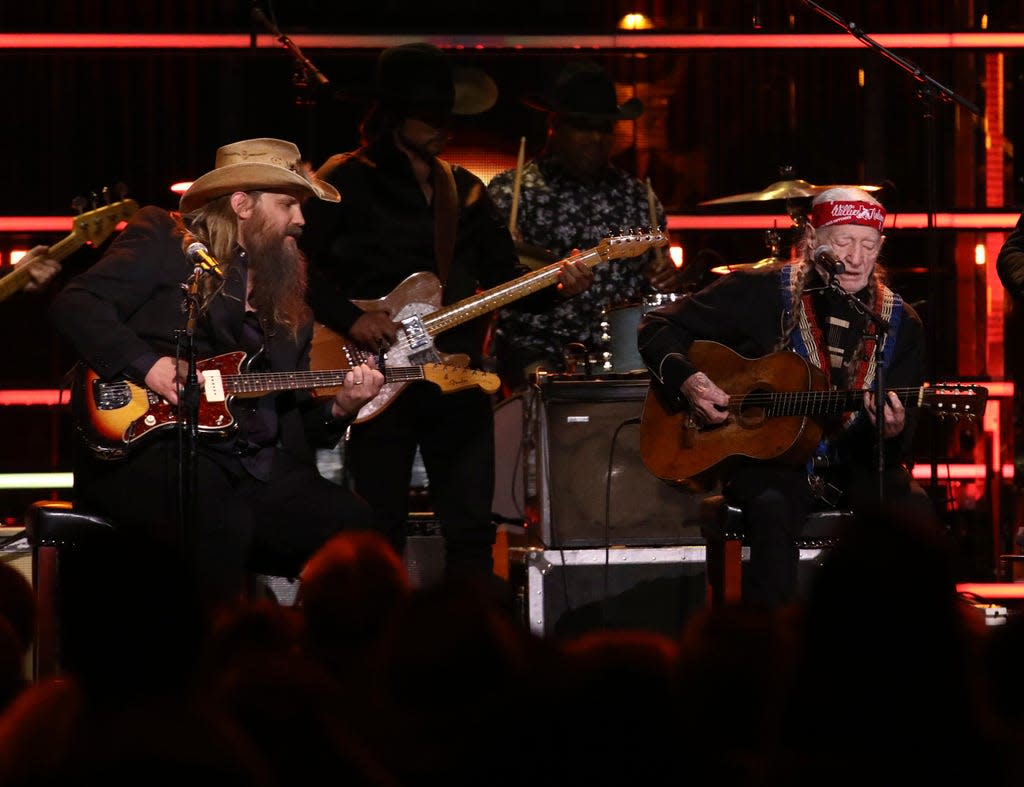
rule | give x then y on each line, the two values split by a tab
200	255
827	262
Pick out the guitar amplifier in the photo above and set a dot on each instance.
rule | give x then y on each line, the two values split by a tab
591	486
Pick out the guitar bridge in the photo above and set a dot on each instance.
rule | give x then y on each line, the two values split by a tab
111	396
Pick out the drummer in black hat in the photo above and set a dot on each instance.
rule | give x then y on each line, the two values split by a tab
570	197
405	211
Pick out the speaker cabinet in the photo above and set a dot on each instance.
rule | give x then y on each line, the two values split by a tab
592	488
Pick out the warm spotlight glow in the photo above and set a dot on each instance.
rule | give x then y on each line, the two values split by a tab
182	187
860	77
635	22
676	253
979	254
17	254
984	21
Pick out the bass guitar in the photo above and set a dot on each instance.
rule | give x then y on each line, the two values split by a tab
777	405
93	227
113	415
416	305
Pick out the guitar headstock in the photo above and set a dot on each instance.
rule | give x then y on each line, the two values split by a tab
631	245
956	400
96	225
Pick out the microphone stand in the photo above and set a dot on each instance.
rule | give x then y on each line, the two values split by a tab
188	421
307	77
927	93
878	386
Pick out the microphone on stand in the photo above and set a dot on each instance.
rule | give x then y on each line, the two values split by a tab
827	263
200	256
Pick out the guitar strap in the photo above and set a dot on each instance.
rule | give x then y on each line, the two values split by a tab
446	217
807	341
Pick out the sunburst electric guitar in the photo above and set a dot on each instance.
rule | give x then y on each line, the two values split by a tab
93	227
113	415
416	305
776	409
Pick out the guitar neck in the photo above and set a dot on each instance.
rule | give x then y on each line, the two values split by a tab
781	403
20	275
496	297
259	383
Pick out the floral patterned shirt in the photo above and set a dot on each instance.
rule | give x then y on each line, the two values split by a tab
560	214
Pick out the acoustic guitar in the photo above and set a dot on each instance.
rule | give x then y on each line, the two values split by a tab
114	415
777	407
416	304
92	227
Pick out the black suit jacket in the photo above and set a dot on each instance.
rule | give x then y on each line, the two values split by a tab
128	308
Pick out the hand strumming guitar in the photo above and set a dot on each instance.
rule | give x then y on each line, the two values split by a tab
708	402
374	331
164	378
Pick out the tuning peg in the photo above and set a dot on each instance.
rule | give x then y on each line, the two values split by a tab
79	204
106	195
94	198
121	189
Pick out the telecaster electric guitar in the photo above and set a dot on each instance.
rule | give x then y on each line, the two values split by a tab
93	227
114	415
775	409
416	305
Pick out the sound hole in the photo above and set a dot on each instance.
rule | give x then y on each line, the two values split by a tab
752	411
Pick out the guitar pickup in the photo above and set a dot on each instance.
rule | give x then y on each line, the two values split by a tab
213	386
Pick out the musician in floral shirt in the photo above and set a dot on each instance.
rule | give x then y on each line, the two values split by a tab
571	197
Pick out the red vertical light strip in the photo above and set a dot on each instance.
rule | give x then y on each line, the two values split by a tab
994	343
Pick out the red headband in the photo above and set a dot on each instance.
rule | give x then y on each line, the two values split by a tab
867	214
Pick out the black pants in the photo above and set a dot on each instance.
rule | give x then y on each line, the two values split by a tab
241	524
455	435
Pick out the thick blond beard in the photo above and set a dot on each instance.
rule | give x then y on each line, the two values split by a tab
278	271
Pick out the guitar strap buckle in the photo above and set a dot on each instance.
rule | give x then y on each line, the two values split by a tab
830	494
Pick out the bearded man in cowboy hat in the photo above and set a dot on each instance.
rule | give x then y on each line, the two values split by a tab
407	211
259	502
570	197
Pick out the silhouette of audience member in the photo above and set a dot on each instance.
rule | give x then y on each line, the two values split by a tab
459	679
887	673
349	591
616	708
736	663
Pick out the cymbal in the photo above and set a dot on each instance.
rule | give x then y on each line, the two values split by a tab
746	266
783	189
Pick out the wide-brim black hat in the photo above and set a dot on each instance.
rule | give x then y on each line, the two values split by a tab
420	76
584	89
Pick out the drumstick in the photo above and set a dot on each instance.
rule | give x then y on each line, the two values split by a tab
514	212
653	210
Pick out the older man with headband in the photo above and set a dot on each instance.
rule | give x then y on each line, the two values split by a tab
820	307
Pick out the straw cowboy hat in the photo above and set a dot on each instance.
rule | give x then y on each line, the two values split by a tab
262	164
420	76
584	89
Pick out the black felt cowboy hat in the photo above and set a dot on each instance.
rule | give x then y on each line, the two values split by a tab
420	77
583	89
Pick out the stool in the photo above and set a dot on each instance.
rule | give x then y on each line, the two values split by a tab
724	531
50	526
